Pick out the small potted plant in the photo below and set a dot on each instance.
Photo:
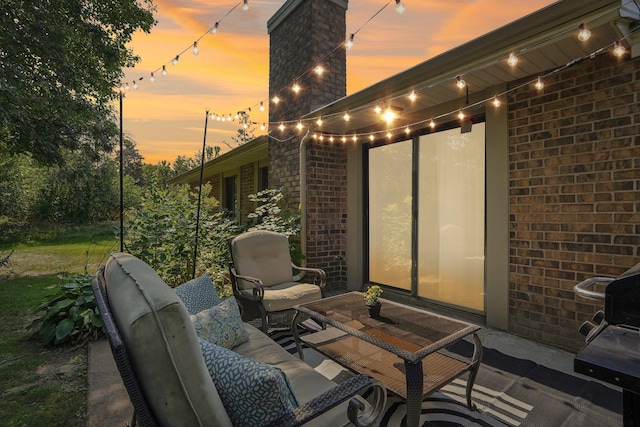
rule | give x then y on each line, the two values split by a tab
371	298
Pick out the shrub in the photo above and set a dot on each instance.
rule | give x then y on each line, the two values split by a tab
71	315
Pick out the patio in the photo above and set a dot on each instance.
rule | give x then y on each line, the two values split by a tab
108	402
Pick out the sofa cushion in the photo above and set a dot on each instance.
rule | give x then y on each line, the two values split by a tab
253	393
221	324
198	294
162	345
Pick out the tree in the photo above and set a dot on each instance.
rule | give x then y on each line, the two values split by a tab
60	61
132	160
246	131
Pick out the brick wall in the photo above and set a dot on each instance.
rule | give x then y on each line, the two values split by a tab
247	186
301	41
574	154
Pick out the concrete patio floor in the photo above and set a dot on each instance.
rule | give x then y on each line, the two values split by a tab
109	406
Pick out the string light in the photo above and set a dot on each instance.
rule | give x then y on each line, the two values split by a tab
263	127
349	42
319	121
432	124
296	87
319	70
195	48
175	60
261	106
389	135
281	127
407	130
583	34
275	100
355	138
344	139
135	85
618	49
539	85
164	71
399	6
413	96
245	5
460	83
299	126
378	109
371	138
389	116
460	115
214	29
152	78
496	101
346	116
512	60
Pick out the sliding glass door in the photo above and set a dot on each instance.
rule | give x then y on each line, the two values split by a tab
426	202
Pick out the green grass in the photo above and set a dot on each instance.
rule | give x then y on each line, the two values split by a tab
43	385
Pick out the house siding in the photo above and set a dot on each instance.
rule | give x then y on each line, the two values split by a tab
304	39
574	155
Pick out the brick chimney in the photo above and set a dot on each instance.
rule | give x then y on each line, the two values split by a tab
303	34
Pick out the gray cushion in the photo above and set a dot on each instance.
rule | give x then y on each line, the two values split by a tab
263	255
162	344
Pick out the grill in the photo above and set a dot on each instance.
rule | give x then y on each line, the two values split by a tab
612	350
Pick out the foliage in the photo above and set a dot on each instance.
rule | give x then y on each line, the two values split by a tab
71	315
271	215
59	64
246	131
372	294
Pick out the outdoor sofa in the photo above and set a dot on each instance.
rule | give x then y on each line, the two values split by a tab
236	376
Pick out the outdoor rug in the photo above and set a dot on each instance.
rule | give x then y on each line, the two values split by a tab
508	392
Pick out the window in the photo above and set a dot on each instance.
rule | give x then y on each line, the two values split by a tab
229	195
263	178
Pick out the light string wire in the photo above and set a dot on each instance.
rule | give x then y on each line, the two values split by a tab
452	78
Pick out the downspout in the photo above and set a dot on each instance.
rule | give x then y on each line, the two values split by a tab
303	198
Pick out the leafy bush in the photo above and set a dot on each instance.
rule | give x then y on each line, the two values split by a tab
71	315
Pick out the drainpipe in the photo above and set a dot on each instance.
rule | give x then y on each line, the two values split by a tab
303	198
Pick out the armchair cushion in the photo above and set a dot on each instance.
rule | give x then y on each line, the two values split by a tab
198	294
221	324
253	393
285	295
264	255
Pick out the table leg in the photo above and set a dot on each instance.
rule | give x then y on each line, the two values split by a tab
413	372
296	336
475	365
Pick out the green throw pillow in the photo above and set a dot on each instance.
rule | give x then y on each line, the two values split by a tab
221	324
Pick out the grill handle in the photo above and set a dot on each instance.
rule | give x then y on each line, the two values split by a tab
583	288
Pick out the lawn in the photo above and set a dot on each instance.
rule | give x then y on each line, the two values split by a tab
43	385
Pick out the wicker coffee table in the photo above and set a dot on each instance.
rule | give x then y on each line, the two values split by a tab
401	347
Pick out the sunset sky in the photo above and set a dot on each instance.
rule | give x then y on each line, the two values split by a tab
231	71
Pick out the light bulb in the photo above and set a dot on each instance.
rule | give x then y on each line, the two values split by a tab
344	139
389	116
512	60
331	139
126	86
152	78
496	101
389	135
460	115
583	34
245	5
261	106
296	87
164	71
371	138
413	96
263	127
244	125
399	6
195	48
299	126
281	127
346	117
349	42
236	117
135	85
121	87
319	121
460	83
618	49
214	29
175	60
407	130
432	124
319	70
230	118
378	109
321	137
539	84
275	100
355	138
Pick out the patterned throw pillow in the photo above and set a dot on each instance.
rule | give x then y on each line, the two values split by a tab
221	324
198	294
253	393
